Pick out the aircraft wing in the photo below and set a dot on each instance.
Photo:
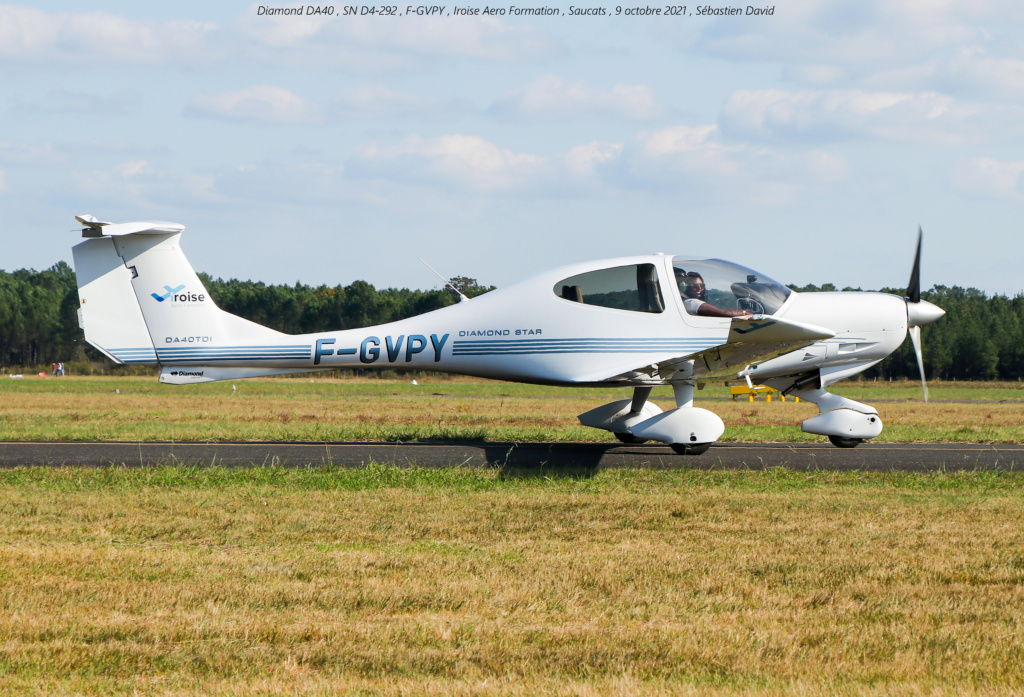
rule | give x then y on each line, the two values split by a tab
756	339
754	329
752	339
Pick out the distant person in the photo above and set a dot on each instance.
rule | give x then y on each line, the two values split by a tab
60	369
53	369
695	297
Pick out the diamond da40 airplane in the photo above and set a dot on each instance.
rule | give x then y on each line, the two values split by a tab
633	322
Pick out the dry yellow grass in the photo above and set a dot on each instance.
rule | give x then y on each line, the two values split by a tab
324	409
396	582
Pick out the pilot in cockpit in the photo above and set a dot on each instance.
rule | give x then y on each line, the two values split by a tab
695	297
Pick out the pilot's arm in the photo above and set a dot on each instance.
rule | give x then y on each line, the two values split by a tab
709	310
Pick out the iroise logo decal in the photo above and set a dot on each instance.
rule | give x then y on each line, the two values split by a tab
176	295
168	294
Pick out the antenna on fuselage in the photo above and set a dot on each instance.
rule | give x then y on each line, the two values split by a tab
462	296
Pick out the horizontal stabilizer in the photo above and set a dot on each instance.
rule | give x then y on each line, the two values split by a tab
99	228
204	373
91	220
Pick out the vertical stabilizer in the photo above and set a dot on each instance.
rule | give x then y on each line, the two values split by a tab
177	308
141	302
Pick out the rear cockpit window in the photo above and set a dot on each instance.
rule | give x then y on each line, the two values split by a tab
633	288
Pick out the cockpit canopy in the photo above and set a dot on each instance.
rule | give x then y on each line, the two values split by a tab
726	285
636	287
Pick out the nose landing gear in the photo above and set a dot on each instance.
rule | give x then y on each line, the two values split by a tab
690	449
846	423
844	442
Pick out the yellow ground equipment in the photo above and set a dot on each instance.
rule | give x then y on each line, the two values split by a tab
754	390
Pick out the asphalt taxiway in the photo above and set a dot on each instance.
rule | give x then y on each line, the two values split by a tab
555	456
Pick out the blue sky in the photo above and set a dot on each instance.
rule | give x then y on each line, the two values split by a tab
809	144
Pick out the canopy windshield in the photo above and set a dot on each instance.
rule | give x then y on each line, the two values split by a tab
727	286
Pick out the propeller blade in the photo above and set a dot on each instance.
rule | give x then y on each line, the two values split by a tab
915	339
914	287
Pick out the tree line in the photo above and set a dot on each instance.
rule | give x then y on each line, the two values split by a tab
980	338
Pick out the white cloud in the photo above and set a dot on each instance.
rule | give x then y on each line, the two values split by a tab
990	178
584	160
690	160
282	30
27	34
467	161
61	101
138	182
975	70
838	114
27	154
357	45
691	156
304	183
693	160
692	150
134	169
374	45
281	183
550	98
814	74
202	187
481	38
470	164
25	31
956	48
870	32
823	166
378	102
261	103
678	139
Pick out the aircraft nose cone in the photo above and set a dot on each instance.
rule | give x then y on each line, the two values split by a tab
922	313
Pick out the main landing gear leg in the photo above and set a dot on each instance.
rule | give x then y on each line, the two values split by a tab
640	395
619	416
687	429
683	392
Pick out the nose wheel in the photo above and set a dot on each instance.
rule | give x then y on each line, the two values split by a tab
843	442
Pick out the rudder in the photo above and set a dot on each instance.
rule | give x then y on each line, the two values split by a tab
109	313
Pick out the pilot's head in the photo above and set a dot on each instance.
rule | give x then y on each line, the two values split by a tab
691	285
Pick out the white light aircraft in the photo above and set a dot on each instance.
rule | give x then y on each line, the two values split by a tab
633	322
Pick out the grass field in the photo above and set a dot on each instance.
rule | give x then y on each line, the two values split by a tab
381	581
385	581
454	409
